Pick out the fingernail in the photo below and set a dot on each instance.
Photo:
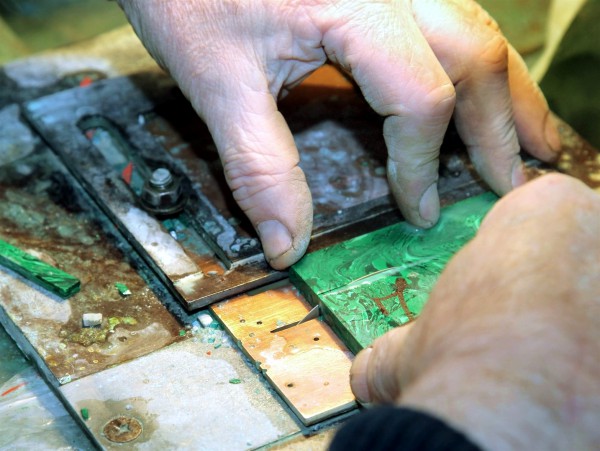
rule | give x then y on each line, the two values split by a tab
275	238
551	133
429	207
519	176
359	378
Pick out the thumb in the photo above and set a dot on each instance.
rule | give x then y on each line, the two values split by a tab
375	373
259	158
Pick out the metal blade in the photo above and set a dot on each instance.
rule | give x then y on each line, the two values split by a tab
314	313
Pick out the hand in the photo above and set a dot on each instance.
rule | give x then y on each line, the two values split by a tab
416	61
507	346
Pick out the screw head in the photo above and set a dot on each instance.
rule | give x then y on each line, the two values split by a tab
163	193
161	177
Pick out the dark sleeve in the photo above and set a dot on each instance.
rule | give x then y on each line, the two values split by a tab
389	427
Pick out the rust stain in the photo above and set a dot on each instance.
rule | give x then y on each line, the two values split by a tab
400	285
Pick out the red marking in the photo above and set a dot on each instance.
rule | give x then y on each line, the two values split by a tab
86	81
127	172
89	134
208	353
12	389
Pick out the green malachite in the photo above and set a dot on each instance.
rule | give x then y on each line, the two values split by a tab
35	270
372	283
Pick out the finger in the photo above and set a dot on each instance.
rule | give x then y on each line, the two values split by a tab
403	81
375	373
536	127
259	157
475	55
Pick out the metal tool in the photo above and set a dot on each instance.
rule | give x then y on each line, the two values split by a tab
315	312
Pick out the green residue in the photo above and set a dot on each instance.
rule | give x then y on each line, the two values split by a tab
182	333
87	336
85	414
235	381
381	280
37	271
114	321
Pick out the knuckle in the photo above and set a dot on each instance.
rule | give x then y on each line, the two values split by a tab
249	173
492	54
438	101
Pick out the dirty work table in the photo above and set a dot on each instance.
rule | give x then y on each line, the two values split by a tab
152	375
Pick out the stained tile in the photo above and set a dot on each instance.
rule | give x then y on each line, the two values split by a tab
190	395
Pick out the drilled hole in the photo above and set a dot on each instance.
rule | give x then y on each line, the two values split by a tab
290	384
316	339
259	322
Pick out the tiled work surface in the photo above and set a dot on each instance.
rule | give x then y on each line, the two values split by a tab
112	54
202	383
307	364
45	213
191	395
31	413
33	416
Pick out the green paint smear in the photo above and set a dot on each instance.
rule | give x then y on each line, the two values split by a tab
35	270
235	381
346	278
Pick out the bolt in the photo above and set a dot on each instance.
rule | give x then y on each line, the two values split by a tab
163	193
161	177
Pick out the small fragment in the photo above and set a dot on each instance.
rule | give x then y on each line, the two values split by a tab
86	81
123	290
91	319
127	173
205	320
235	381
65	379
182	333
85	414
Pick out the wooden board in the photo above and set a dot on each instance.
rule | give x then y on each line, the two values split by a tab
307	364
381	280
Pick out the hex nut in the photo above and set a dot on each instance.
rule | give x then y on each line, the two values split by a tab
163	199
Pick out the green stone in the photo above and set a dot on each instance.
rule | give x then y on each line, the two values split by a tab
123	290
85	414
375	282
235	381
37	271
